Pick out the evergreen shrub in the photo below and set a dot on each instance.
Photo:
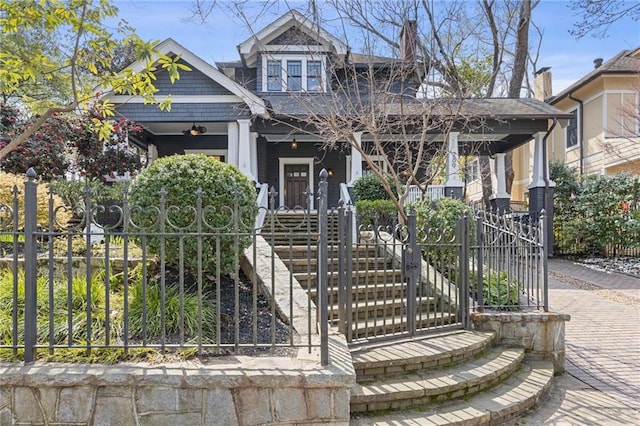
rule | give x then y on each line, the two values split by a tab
221	186
369	187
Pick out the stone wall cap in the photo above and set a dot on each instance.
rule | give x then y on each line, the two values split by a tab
519	316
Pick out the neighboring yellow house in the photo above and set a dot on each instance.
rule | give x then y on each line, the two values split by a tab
603	137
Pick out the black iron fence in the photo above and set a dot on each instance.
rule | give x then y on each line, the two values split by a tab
168	278
403	280
161	277
573	239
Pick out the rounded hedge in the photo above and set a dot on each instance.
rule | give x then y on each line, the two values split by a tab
221	186
369	187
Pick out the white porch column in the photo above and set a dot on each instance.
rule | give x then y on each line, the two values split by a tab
453	185
356	159
501	177
253	142
152	153
537	177
244	148
232	144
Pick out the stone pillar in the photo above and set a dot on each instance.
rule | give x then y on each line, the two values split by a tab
453	186
356	159
232	143
244	148
541	189
501	200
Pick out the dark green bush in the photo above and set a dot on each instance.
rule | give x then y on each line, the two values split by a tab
376	213
437	225
596	212
181	176
443	214
369	187
497	290
73	192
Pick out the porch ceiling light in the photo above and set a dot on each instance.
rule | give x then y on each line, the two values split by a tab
194	130
294	144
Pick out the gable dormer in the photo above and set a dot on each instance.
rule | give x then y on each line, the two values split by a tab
292	54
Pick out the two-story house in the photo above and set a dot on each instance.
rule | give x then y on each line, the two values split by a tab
602	135
292	105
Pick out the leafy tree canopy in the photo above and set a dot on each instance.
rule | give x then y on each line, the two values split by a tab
55	53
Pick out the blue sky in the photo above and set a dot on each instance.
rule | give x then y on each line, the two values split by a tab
216	40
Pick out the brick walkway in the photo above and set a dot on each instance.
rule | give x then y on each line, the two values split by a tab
603	347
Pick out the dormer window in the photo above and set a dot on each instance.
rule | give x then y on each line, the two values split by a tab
293	73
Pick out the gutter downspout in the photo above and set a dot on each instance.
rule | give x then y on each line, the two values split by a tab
548	239
581	121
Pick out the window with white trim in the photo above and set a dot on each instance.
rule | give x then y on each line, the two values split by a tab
314	76
379	162
294	76
473	170
572	130
293	73
274	76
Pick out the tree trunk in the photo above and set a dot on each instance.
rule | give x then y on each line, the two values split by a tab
485	175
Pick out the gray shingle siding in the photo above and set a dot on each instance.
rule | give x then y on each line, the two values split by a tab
294	36
185	112
191	82
246	77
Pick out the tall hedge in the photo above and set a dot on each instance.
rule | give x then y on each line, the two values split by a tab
182	177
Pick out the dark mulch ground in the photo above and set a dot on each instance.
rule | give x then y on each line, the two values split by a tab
268	325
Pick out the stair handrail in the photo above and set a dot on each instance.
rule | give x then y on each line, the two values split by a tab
345	198
262	200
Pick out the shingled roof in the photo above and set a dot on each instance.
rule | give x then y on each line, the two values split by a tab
625	62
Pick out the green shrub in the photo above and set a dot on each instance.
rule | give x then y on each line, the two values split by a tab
172	314
596	212
497	290
181	176
369	187
73	192
443	214
437	224
376	213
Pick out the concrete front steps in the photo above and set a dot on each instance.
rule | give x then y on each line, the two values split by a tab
456	378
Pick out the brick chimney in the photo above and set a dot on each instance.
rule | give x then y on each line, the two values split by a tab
408	40
542	84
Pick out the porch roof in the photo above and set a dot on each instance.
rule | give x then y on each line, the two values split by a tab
486	125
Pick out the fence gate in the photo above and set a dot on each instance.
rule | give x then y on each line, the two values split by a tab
396	280
389	281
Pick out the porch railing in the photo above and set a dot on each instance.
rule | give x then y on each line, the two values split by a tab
433	193
263	206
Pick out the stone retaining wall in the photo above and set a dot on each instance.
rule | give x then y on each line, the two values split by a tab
226	391
541	334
